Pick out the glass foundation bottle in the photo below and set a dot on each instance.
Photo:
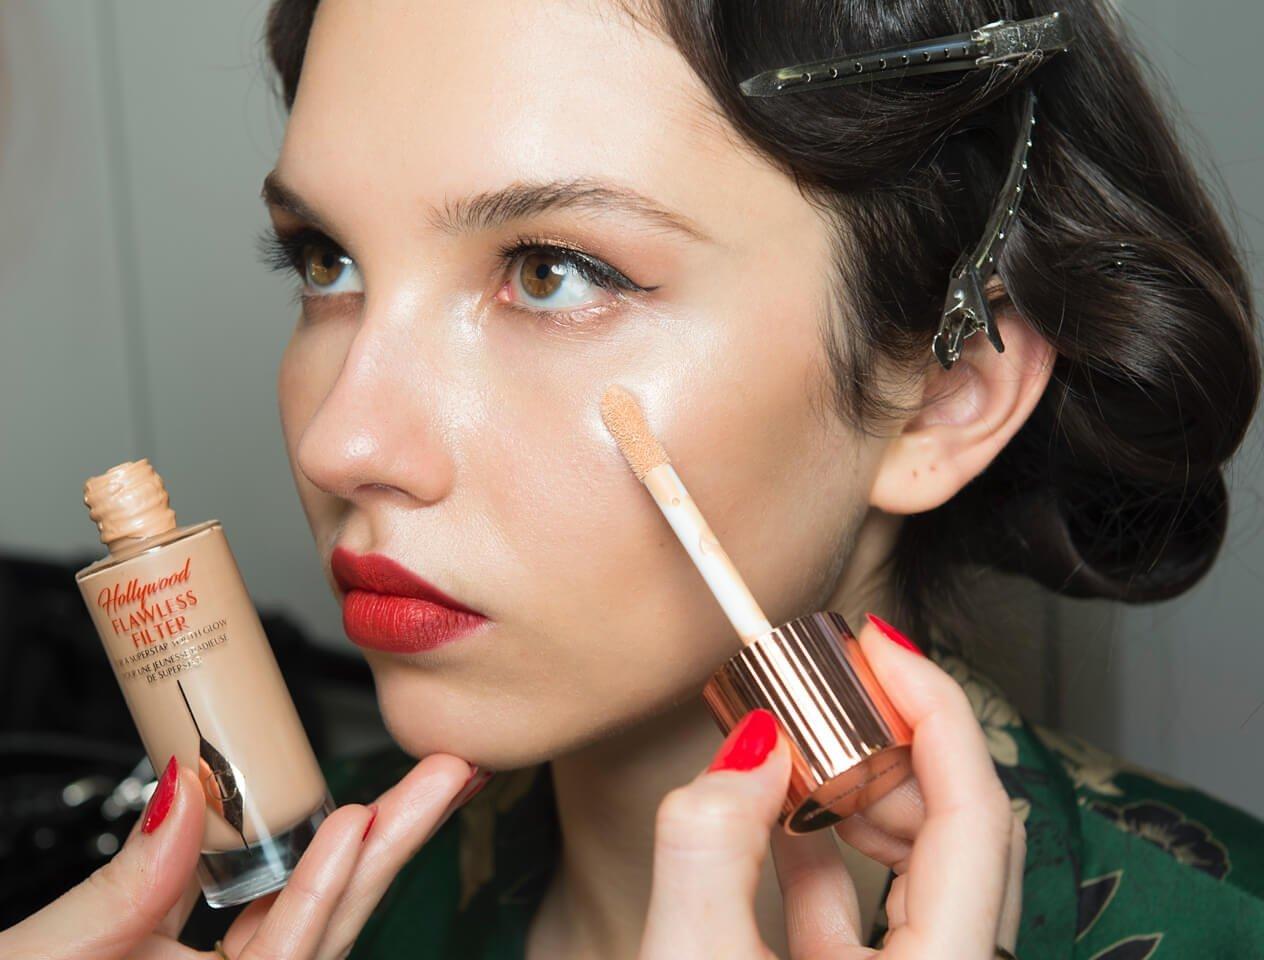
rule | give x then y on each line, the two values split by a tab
202	683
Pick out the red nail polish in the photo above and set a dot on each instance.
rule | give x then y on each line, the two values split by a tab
369	826
748	744
478	780
160	801
893	634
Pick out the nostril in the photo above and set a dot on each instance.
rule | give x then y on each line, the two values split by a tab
379	488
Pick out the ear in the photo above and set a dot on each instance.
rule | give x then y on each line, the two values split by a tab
967	416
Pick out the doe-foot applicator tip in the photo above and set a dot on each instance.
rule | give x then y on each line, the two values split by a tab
626	422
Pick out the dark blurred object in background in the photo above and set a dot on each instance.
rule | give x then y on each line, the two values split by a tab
73	773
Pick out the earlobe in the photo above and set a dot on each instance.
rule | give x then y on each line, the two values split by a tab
967	416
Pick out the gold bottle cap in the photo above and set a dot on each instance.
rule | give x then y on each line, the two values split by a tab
848	744
128	502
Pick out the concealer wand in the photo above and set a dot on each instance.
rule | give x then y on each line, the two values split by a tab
848	744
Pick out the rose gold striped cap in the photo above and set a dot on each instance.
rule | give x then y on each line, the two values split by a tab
848	744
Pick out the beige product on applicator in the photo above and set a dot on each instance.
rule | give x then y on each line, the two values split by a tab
848	744
202	683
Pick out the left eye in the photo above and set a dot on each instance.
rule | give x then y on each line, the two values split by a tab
321	265
555	279
329	270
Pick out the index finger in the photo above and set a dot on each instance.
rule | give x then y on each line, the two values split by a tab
407	816
957	872
296	923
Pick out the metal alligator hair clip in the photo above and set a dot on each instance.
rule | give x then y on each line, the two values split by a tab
998	44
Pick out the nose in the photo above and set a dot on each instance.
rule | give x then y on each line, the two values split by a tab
379	428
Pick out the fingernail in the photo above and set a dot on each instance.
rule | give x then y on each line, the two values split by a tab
748	744
369	826
478	779
893	634
160	801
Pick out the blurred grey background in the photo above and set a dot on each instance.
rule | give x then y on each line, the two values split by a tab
135	320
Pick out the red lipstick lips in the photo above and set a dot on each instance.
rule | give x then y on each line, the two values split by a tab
387	607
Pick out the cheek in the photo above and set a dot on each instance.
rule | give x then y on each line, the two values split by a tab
732	393
290	394
307	371
777	475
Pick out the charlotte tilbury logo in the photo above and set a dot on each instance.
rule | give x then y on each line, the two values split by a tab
154	621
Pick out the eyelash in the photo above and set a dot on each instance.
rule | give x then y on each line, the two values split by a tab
283	252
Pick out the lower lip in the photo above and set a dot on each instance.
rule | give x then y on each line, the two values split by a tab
397	624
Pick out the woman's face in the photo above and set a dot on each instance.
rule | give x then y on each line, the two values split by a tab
440	394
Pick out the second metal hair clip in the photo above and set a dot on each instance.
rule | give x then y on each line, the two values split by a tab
1003	43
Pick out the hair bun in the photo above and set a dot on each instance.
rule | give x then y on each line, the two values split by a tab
1136	547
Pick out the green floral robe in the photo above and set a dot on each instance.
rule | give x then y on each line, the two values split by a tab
1121	864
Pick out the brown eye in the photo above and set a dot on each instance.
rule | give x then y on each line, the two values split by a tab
324	266
541	274
550	279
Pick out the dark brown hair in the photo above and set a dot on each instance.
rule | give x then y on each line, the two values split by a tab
1113	488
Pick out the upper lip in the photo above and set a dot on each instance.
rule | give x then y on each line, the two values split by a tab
380	574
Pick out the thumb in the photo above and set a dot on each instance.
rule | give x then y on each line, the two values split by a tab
120	904
711	838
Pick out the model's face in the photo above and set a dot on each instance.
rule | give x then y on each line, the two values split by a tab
440	395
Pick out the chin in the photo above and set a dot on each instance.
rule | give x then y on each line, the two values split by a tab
425	716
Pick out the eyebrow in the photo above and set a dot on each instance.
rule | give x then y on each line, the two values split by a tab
517	200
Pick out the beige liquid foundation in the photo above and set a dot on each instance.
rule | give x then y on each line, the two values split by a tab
202	683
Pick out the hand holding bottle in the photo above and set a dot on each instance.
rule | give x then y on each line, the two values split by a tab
135	906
